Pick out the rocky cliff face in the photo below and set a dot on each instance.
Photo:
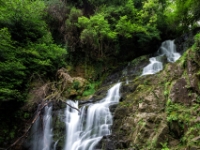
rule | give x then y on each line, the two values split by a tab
160	111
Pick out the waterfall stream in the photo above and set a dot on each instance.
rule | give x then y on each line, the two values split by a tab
42	131
84	128
168	49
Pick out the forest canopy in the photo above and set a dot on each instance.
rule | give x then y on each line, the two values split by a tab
41	36
26	47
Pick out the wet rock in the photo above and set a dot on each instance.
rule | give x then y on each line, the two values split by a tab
179	92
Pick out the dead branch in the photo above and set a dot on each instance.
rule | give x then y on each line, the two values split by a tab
71	106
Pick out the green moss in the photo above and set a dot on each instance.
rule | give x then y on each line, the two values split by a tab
185	116
90	88
139	59
183	60
26	115
164	146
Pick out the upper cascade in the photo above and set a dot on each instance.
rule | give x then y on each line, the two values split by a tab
168	49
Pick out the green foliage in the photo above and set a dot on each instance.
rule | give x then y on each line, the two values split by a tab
96	30
26	47
196	45
76	85
99	26
185	117
138	22
72	32
164	146
105	32
42	58
182	15
12	70
6	48
96	3
90	88
26	115
23	19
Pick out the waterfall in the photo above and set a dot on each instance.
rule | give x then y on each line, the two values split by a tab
86	128
168	49
154	66
47	135
42	131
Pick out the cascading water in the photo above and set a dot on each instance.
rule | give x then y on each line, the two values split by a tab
85	127
42	131
85	130
167	48
47	137
153	67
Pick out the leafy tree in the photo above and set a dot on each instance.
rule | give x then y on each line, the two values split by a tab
26	47
43	59
137	27
96	30
72	32
182	15
12	70
56	16
24	20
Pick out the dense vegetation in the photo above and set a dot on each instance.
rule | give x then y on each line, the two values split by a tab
39	37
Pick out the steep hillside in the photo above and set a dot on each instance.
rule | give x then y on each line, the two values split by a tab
160	111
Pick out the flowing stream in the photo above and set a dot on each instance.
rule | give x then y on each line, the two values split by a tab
42	131
168	49
86	129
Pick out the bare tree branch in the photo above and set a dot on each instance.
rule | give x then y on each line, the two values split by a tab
71	106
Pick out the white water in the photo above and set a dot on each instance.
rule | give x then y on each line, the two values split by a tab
85	130
47	137
42	131
154	67
167	48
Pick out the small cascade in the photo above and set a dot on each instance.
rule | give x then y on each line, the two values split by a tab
42	131
86	129
168	49
47	136
72	121
153	67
